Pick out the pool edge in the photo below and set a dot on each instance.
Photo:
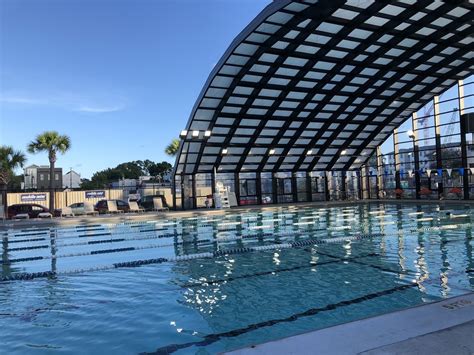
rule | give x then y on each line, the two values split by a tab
374	332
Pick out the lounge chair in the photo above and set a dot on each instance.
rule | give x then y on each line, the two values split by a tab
158	204
134	207
89	209
112	207
67	211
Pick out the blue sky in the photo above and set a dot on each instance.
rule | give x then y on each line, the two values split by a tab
119	77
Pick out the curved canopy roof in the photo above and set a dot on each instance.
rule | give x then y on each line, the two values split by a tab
317	85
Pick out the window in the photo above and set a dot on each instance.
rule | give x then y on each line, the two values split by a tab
42	177
56	177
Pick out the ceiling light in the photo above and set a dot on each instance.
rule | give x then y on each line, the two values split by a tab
183	133
195	133
344	152
207	134
272	151
224	151
309	152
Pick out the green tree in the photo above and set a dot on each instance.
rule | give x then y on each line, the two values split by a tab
10	160
52	143
172	148
159	169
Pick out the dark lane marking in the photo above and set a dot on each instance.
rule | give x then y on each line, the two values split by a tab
29	234
26	240
106	241
106	251
372	265
263	273
212	338
384	268
32	258
93	235
29	248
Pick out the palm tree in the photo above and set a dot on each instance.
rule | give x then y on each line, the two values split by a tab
172	148
51	142
10	160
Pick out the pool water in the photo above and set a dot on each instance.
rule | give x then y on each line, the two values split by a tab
213	283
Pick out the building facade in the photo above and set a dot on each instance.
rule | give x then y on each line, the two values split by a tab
71	180
37	177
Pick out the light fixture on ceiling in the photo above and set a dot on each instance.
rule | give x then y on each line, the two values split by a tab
183	133
271	151
195	133
344	152
309	152
207	133
224	151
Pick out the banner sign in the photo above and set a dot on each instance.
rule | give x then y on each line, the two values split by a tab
95	194
33	197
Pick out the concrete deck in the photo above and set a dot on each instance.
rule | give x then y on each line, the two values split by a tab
136	217
443	327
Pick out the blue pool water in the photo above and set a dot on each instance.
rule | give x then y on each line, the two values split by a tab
212	283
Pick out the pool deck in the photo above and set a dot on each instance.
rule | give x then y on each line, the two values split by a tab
147	216
443	327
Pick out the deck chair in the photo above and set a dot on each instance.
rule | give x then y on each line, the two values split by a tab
89	208
112	207
67	211
134	207
158	204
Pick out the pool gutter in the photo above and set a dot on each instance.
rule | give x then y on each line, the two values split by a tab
392	333
137	217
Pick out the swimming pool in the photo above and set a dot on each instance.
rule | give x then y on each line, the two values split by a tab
213	283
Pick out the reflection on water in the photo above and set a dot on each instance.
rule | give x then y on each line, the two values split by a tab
364	260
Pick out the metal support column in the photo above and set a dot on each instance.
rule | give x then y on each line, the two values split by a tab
237	188
396	160
258	187
274	188
294	187
360	192
213	184
309	192
326	186
343	185
465	177
173	191
193	179
380	186
437	122
416	155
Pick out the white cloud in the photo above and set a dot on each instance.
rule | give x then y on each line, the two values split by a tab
71	102
99	109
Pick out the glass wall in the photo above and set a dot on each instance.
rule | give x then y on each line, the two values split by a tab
267	188
429	156
301	186
318	190
203	189
284	187
248	189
